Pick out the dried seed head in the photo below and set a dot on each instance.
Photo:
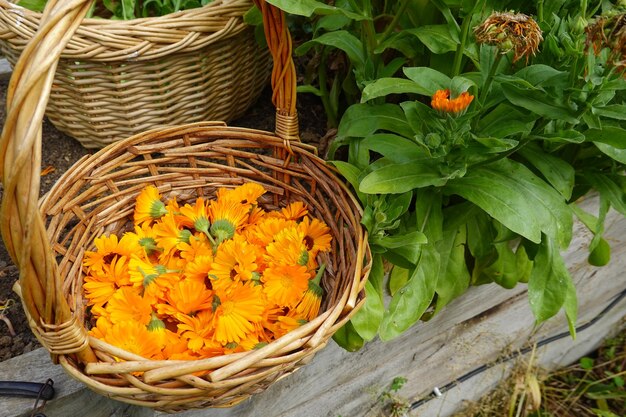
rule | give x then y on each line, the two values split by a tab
609	32
510	31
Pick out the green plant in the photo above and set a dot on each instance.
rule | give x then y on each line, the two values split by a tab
354	43
127	9
457	196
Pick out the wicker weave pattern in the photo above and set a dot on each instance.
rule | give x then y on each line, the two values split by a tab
187	162
118	78
47	239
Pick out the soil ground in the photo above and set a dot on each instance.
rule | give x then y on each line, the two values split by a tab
61	151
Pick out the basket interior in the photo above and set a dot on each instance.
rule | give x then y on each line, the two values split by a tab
97	195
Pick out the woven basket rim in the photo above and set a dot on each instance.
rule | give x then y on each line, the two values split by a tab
97	22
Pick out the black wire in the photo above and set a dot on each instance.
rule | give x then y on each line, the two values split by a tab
518	353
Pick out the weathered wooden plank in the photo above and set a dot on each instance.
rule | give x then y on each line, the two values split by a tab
5	69
473	330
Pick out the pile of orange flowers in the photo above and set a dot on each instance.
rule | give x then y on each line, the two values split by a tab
208	279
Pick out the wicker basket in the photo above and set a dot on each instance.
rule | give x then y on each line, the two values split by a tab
119	78
47	240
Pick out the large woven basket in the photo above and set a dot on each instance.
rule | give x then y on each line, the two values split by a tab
47	239
118	78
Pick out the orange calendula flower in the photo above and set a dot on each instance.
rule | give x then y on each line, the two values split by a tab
149	206
237	311
169	233
106	248
288	248
227	217
285	324
295	211
153	279
285	284
246	194
133	337
100	285
198	269
186	297
197	330
143	237
309	306
235	261
128	305
198	246
263	233
442	102
317	235
196	216
103	324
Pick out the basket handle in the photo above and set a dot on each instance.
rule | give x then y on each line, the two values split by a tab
284	71
21	223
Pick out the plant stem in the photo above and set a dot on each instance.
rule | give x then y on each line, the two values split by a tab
321	74
540	11
583	8
460	49
394	22
489	80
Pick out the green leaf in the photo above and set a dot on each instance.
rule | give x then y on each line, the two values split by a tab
480	234
549	281
610	135
542	75
567	136
504	120
538	102
556	171
412	300
34	5
460	85
401	177
436	38
428	79
601	254
128	9
613	111
504	270
586	363
398	241
348	338
341	39
367	320
351	173
385	86
394	147
397	279
615	153
332	22
252	17
311	7
454	278
517	198
496	145
608	189
361	120
309	89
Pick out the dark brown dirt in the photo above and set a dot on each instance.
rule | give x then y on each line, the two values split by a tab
61	151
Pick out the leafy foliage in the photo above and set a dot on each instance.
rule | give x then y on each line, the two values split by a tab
488	192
